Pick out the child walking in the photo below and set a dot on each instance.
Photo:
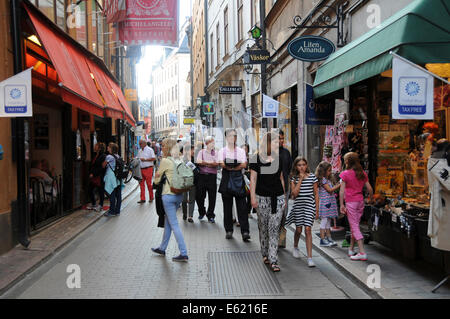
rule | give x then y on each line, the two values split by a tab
354	179
304	190
328	205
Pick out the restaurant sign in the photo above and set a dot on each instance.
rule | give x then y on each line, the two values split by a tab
311	48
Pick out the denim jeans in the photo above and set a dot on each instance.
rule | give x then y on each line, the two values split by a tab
171	204
115	200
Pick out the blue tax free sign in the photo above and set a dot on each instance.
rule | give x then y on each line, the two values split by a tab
311	48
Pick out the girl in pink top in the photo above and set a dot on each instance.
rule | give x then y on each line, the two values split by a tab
354	179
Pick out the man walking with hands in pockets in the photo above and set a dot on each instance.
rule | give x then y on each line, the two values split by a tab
147	157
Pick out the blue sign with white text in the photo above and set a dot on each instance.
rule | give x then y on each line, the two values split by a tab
311	48
320	111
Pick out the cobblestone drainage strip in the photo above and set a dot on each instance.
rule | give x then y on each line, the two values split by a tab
241	274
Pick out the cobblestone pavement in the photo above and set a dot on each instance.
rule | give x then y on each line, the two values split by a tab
116	262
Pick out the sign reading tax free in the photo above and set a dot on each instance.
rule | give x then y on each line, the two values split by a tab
311	48
15	96
412	92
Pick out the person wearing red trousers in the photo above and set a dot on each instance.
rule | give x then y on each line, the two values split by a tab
147	157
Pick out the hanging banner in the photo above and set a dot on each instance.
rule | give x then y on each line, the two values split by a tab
150	22
270	107
115	11
412	92
15	95
320	111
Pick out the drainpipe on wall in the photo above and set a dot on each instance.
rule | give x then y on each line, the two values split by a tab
19	131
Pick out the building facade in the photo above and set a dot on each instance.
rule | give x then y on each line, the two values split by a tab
171	90
77	102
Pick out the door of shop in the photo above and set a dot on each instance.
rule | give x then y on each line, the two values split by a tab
45	155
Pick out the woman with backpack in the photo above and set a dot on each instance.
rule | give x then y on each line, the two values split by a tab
113	185
171	200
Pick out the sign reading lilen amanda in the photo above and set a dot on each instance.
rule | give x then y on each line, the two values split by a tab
15	96
311	48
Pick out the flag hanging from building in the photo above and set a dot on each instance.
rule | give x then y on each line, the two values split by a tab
15	95
270	107
412	92
150	22
115	11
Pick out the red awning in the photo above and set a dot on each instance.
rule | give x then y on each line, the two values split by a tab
85	84
113	107
118	92
79	89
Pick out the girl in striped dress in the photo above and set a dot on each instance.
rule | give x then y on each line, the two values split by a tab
328	205
304	189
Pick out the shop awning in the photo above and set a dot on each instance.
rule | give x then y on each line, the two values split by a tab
70	66
420	32
112	105
85	84
123	102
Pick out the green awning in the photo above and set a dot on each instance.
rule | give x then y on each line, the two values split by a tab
420	32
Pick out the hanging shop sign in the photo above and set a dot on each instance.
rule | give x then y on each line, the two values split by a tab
311	48
150	22
189	113
15	95
208	108
189	121
256	57
412	92
131	95
230	90
320	111
270	107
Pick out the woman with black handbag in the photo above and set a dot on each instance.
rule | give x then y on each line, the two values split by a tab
232	159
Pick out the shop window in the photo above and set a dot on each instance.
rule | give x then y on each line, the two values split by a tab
283	121
81	27
46	6
94	27
60	14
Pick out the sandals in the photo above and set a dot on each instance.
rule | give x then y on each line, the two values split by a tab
266	260
275	267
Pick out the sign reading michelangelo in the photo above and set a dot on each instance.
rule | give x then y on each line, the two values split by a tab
15	96
150	22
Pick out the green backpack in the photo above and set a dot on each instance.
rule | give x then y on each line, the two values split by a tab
182	178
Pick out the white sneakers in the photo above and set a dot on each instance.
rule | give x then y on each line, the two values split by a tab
359	256
350	253
296	252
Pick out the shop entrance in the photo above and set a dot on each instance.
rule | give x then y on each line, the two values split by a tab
45	154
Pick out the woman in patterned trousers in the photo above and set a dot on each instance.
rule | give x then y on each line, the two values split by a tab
267	197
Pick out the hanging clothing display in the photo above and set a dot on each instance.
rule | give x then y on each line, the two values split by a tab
439	218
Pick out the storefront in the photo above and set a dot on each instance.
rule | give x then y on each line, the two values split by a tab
394	153
76	103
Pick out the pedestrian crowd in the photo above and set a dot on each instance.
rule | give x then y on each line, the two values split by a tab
182	175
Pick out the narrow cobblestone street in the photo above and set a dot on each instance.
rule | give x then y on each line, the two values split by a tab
116	262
